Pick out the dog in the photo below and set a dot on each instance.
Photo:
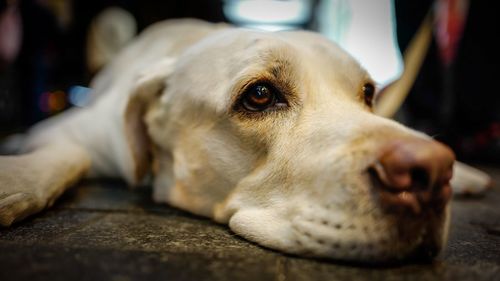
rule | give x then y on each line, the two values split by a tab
271	133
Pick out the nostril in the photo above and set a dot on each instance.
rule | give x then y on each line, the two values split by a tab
420	178
413	175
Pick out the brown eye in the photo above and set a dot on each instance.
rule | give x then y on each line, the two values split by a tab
259	98
368	93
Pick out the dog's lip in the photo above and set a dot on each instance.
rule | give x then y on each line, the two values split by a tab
423	208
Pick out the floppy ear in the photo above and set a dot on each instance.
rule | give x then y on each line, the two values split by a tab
149	86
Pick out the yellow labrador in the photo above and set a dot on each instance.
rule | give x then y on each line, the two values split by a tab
270	133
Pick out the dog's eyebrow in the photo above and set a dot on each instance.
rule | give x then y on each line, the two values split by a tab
280	69
283	74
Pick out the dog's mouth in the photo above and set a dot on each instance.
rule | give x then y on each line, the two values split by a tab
419	212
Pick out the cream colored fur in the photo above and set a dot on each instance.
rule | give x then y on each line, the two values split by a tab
294	181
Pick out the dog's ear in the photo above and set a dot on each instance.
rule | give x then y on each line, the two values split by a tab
149	86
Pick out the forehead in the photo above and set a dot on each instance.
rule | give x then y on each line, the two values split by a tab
222	60
298	51
244	46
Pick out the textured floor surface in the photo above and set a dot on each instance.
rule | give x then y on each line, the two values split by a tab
102	231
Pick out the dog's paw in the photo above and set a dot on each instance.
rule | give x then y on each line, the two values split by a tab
16	206
468	180
32	182
22	192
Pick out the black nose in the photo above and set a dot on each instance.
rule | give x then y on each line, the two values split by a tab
414	174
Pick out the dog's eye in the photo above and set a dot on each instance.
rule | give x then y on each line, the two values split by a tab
259	97
368	93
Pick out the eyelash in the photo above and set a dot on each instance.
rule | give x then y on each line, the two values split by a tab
250	105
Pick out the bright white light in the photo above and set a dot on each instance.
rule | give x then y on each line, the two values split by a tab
268	12
366	29
269	27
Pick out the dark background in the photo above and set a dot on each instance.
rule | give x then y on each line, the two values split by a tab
472	126
52	58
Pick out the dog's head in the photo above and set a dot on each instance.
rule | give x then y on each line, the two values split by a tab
274	134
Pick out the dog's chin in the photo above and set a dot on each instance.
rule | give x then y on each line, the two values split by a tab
318	232
401	241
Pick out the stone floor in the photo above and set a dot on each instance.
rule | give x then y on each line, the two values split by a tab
102	231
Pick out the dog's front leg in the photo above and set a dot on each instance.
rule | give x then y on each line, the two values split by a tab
33	181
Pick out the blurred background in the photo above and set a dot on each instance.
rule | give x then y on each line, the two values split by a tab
50	50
